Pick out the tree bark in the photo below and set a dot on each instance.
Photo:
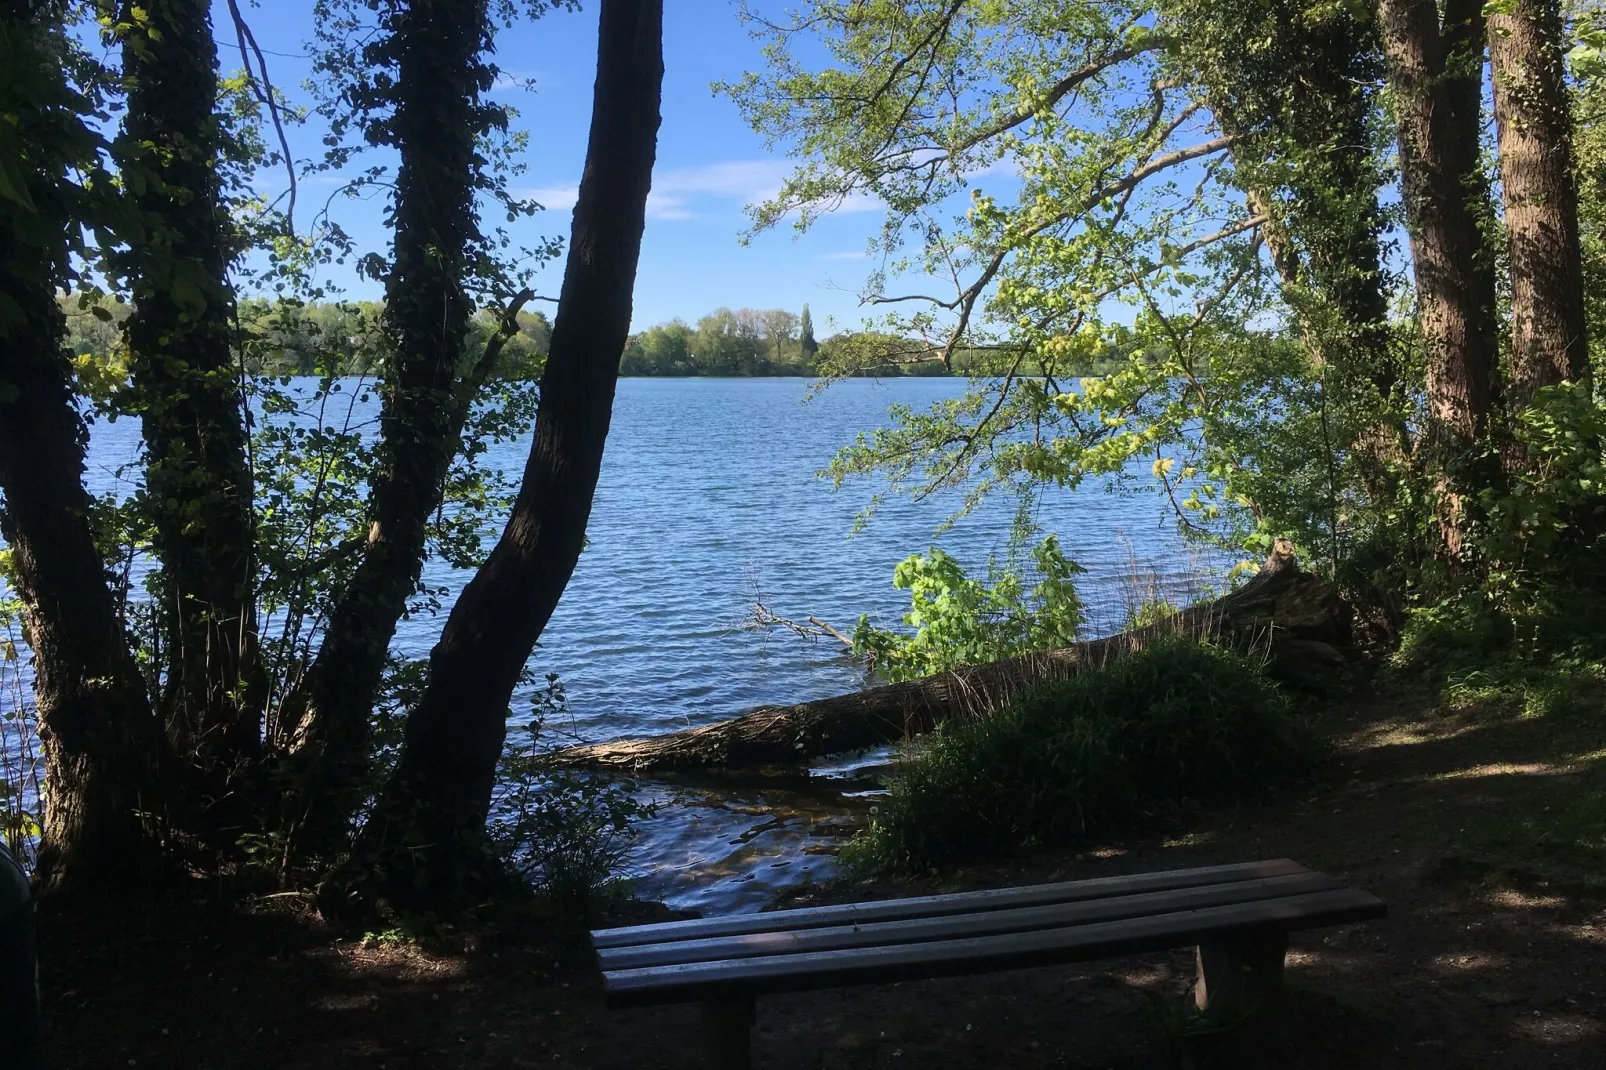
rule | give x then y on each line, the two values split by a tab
100	740
435	46
1437	76
198	476
427	828
1534	121
1289	615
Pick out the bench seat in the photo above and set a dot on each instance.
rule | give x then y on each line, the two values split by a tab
1238	915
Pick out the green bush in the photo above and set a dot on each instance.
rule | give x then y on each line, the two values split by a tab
1546	660
566	833
957	620
1568	846
1088	757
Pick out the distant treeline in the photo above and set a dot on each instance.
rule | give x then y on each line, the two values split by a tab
344	338
753	342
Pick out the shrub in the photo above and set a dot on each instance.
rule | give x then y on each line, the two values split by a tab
1567	847
1088	757
957	620
566	833
1545	660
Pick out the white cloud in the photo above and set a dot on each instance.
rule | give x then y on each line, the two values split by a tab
859	202
552	198
667	206
685	192
562	198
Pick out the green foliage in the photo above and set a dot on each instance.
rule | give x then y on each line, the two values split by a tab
1150	613
1544	660
1544	522
567	833
1568	847
961	621
745	342
1089	757
19	741
1587	63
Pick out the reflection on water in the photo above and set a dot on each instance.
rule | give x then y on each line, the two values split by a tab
725	847
708	497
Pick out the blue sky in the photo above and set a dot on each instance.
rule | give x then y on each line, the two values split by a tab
709	163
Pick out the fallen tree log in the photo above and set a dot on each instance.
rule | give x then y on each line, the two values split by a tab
1287	615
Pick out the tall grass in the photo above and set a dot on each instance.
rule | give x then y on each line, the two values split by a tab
1095	755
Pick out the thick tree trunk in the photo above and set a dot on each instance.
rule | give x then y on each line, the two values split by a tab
100	739
439	79
428	826
198	475
1436	78
1309	139
1287	614
1534	121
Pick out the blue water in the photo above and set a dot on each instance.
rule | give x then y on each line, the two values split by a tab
710	498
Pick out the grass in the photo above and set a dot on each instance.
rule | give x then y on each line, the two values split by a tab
1565	847
1098	754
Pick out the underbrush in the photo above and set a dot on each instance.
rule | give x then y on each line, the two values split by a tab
566	834
1546	660
1095	755
1566	847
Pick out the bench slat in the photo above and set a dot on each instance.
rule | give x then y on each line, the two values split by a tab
956	926
938	905
940	958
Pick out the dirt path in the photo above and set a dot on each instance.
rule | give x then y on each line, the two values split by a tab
1473	968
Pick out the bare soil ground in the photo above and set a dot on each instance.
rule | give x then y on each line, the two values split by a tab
1476	966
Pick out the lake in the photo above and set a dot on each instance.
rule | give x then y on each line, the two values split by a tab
709	498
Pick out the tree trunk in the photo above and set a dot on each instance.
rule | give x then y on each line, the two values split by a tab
428	825
1534	120
437	119
1287	614
198	475
1309	139
98	734
1436	79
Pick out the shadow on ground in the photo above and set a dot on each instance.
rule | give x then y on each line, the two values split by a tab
1477	966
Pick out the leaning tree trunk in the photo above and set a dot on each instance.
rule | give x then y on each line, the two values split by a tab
1283	613
438	117
1534	121
198	476
99	737
426	833
1436	78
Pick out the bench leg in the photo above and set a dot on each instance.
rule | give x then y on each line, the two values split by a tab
728	1033
1242	976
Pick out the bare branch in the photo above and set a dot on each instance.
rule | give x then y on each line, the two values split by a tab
264	91
761	617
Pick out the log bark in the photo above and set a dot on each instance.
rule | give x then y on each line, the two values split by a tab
1288	614
430	816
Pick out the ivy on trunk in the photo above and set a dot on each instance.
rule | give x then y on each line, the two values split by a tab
426	836
100	738
198	491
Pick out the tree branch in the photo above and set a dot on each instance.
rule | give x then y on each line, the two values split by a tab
509	326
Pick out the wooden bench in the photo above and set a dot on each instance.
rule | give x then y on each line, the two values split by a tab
1238	916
